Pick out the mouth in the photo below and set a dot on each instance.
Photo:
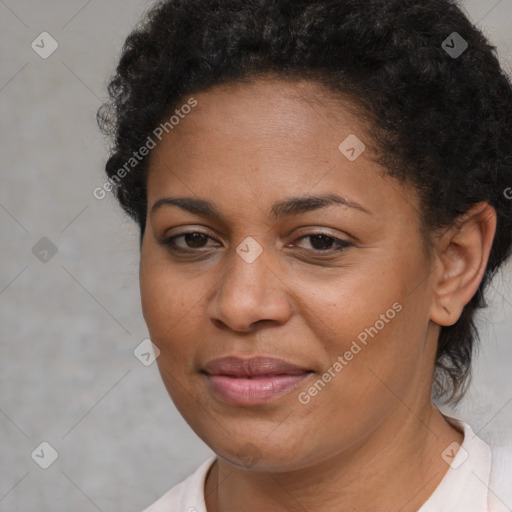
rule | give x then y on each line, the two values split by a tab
253	381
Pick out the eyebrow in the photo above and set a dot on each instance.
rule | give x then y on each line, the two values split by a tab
285	208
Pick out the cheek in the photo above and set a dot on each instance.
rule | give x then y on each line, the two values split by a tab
377	363
372	329
164	301
355	306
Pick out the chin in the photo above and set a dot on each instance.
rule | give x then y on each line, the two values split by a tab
264	456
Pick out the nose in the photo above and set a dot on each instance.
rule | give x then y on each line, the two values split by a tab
250	293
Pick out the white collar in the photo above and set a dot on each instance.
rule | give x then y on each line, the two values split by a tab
465	486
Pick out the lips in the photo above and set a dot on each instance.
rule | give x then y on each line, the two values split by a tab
253	367
253	381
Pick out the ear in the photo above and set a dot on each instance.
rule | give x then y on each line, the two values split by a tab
462	254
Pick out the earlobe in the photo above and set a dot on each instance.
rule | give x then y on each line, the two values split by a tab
461	257
448	312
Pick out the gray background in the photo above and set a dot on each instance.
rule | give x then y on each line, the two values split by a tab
68	327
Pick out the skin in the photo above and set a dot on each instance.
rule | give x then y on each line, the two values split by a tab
371	438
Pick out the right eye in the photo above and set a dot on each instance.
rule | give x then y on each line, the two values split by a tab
191	238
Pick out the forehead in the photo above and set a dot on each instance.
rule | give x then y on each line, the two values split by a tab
268	139
299	107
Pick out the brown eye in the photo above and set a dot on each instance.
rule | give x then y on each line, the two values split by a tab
196	241
192	240
324	243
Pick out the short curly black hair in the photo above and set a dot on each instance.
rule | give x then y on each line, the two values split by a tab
442	121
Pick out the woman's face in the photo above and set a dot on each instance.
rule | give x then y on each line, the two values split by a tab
351	309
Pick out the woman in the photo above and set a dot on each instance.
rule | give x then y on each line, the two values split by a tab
320	188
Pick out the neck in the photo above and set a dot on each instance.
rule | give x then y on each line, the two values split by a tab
397	467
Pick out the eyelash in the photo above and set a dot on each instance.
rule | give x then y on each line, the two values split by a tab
341	244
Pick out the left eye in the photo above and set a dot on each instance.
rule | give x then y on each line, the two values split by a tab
325	242
195	240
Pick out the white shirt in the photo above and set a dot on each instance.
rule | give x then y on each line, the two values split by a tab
478	480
